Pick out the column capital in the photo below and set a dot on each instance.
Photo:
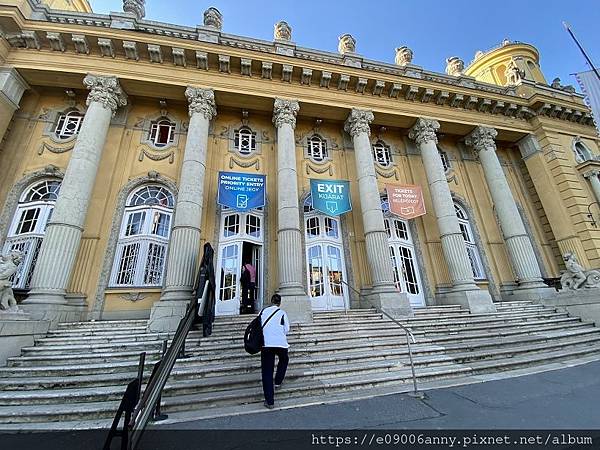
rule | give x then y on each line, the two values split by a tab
285	111
591	173
358	122
482	138
105	90
424	131
201	101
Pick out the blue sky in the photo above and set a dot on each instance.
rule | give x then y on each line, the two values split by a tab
433	29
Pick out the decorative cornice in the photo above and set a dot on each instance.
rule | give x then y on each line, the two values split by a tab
202	101
106	91
285	111
482	138
358	122
424	131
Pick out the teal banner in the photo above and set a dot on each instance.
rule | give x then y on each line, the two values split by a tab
331	197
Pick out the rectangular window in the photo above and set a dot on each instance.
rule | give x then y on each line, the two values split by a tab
129	254
155	263
28	221
135	223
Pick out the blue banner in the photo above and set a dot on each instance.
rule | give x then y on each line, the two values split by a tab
241	191
331	197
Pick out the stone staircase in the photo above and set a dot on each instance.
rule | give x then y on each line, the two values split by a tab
76	375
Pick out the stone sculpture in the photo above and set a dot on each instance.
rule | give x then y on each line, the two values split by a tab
455	66
135	7
347	44
213	18
404	55
283	32
9	265
513	74
576	277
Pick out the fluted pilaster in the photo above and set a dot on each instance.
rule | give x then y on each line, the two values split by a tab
63	235
519	247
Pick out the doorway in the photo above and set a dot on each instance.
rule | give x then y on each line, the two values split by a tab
240	242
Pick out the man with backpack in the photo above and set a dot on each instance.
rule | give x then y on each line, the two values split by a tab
275	329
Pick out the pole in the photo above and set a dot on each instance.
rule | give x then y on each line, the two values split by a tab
589	61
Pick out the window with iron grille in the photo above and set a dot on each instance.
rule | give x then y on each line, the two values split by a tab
445	160
68	124
162	132
144	238
382	154
317	148
28	227
245	141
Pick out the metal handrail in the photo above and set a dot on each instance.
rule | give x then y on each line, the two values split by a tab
409	337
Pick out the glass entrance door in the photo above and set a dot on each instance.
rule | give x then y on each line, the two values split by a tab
326	271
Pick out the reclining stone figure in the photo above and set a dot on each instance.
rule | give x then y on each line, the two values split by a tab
575	277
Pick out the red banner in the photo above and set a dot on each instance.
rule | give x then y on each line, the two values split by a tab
406	201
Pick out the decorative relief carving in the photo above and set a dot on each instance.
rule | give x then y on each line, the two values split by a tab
135	7
156	156
424	131
358	122
106	91
320	170
202	101
387	174
285	111
481	139
56	149
133	296
244	164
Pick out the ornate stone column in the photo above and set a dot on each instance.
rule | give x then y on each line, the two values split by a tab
184	245
519	246
289	238
384	293
592	176
60	245
464	291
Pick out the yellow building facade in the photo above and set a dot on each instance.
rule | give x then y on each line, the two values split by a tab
116	129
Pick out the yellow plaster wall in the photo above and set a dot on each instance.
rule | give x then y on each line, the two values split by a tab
70	5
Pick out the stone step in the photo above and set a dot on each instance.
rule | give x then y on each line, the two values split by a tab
102	324
202	365
132	358
96	332
137	337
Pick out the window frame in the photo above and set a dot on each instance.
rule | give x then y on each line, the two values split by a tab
147	240
381	148
154	132
63	119
245	132
313	142
473	250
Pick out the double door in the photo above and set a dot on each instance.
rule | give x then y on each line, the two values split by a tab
326	276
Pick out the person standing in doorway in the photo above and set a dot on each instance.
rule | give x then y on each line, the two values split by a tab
275	333
248	280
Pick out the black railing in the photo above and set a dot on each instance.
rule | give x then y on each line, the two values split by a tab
138	411
409	338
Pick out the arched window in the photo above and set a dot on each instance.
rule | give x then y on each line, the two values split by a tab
317	148
469	237
68	124
162	132
143	238
582	153
244	141
29	226
445	160
382	154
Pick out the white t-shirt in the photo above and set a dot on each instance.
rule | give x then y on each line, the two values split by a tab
278	327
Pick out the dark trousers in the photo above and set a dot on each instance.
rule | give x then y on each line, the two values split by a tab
267	363
248	291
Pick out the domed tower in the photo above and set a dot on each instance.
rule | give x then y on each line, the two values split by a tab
507	64
69	5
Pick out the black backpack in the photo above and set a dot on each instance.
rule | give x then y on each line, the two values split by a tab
254	340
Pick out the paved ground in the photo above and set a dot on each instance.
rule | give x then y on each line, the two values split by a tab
560	399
